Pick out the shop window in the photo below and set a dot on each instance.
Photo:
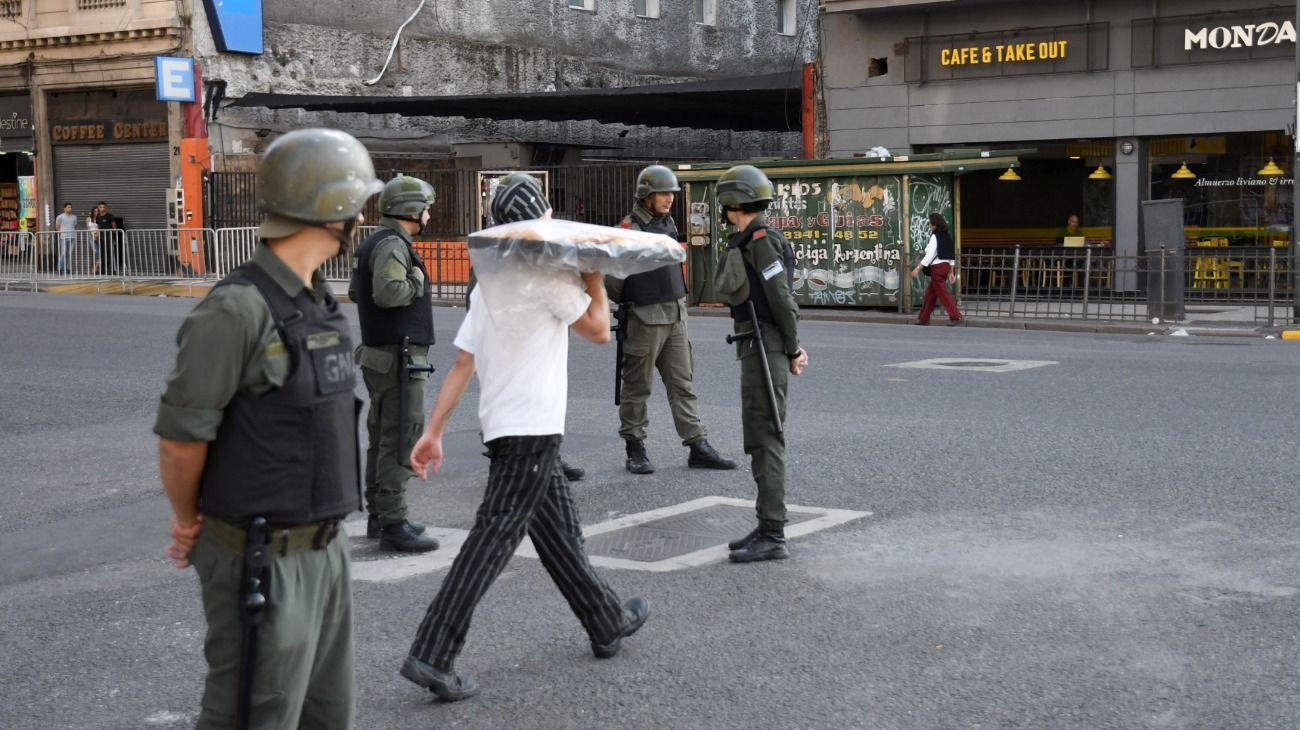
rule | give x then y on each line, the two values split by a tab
786	17
1236	187
646	8
100	4
705	12
11	9
877	67
583	5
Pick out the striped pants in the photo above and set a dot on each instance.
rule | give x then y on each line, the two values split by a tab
526	492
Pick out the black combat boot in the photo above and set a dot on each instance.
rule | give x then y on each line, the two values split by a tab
635	612
743	541
768	545
704	456
637	461
401	537
372	527
571	472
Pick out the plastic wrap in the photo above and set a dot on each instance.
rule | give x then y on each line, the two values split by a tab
534	264
566	245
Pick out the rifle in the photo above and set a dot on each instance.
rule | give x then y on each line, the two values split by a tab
757	339
253	592
404	370
619	328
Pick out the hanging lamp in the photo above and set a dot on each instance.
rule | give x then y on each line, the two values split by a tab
1183	173
1009	176
1270	170
1100	174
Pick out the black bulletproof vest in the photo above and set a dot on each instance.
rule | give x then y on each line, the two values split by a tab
944	247
291	454
388	326
664	284
757	293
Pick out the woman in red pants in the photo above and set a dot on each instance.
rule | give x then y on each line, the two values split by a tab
941	258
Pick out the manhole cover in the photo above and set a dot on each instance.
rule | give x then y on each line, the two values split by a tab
679	534
982	365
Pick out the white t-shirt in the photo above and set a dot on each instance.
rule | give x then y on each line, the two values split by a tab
67	222
523	370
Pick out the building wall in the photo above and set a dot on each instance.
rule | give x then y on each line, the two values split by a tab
53	47
1195	99
499	47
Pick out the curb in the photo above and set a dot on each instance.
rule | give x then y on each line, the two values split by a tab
199	289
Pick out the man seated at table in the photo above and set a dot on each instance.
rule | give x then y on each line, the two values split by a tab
1071	230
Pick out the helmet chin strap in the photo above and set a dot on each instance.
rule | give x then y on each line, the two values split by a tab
345	235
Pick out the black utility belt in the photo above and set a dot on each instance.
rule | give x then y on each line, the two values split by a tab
284	539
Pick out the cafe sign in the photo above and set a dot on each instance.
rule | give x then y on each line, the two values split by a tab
1245	35
1052	49
1239	36
92	131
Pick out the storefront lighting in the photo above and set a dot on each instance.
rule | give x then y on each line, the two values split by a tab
1270	170
1183	173
1009	176
1100	174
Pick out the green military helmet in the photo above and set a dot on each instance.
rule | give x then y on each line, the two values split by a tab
315	176
656	179
744	184
405	195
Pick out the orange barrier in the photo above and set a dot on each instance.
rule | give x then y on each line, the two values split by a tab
446	261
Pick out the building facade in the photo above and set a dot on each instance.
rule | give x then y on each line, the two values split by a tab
1113	103
503	47
78	118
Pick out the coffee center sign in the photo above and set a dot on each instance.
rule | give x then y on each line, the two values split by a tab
101	131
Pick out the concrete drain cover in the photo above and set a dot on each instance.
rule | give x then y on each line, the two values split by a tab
671	537
982	366
690	534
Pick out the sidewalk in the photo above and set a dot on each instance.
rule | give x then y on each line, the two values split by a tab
1216	321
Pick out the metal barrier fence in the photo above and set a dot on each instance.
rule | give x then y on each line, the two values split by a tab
1249	283
1237	283
17	260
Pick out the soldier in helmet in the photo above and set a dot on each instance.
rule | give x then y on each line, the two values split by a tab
258	452
743	193
656	336
394	301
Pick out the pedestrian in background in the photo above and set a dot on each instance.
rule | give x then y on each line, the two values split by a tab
259	450
66	223
940	261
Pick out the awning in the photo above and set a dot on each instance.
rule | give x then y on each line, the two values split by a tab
955	161
761	103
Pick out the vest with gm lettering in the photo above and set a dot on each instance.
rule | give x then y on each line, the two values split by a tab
290	455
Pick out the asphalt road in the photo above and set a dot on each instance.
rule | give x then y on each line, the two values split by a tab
1106	542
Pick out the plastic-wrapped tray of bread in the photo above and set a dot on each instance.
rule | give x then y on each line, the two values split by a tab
567	245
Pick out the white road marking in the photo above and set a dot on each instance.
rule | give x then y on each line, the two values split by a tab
974	364
400	567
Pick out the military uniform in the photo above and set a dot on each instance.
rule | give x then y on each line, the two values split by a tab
391	289
769	274
259	452
763	249
656	338
264	374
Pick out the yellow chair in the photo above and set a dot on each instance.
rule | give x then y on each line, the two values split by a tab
1212	272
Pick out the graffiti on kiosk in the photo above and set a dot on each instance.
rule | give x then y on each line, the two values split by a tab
845	233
